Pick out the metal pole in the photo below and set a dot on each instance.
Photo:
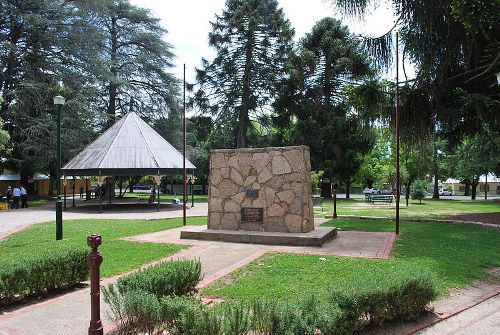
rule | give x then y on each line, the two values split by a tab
64	184
334	203
94	260
184	189
59	228
74	185
397	137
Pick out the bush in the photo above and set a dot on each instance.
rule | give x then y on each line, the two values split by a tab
142	301
375	301
419	190
401	294
47	273
173	278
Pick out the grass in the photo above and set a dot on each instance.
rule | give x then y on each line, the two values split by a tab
428	209
455	255
119	255
282	275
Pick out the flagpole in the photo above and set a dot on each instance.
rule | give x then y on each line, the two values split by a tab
184	152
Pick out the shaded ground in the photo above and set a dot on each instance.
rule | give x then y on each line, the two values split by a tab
479	217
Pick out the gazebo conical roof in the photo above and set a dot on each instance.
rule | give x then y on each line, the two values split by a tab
129	147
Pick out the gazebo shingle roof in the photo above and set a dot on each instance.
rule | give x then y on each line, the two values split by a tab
129	147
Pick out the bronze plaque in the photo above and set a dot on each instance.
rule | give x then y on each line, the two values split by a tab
250	214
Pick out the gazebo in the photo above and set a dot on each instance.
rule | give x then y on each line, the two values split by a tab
129	147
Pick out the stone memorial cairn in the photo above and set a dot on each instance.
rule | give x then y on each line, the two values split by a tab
264	189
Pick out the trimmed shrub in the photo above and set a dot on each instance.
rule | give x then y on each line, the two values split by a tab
374	301
398	294
145	301
164	279
38	276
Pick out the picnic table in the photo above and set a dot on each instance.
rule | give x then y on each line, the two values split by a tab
373	198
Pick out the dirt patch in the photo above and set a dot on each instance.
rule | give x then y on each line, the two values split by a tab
479	217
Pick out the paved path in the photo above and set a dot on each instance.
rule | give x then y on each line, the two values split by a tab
482	319
69	313
17	219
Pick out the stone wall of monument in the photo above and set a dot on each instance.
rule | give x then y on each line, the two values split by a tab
266	189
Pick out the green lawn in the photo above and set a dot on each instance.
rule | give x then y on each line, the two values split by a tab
428	208
455	255
119	256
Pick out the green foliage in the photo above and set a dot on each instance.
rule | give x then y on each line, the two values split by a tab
140	301
315	178
379	299
312	97
252	40
45	273
164	279
341	312
419	189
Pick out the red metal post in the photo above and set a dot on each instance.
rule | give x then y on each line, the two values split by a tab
94	260
398	188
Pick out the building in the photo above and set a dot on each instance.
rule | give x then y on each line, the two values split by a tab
490	182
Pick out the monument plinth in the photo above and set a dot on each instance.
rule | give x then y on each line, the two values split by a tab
259	190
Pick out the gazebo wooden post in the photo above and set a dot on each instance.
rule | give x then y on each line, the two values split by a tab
158	193
100	192
74	186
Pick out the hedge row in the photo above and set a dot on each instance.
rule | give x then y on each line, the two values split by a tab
38	276
344	311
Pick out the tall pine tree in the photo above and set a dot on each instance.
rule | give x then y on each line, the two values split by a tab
252	39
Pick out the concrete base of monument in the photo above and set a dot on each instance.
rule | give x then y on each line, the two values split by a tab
314	238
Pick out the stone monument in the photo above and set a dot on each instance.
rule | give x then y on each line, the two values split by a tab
265	189
261	195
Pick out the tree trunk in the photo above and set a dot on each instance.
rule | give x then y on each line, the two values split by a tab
244	121
113	87
467	187
326	189
203	186
473	189
407	195
347	189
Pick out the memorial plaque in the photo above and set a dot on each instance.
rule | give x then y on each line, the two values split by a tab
252	193
250	214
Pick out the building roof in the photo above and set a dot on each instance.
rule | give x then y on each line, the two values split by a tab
492	178
129	147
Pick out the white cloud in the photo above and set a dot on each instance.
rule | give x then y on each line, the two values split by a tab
187	22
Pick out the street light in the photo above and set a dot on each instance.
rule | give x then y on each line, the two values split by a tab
59	102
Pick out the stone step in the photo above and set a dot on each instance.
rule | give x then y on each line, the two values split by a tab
314	238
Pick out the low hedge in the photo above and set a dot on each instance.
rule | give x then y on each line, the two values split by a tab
399	295
164	279
41	275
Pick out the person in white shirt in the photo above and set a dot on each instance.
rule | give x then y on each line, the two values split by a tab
24	197
16	195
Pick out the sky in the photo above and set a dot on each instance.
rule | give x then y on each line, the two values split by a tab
188	24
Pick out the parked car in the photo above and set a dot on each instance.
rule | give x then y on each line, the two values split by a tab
444	192
367	191
141	187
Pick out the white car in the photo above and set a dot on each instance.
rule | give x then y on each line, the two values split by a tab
367	191
444	192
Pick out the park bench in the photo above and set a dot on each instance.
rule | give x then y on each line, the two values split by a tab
317	201
379	198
